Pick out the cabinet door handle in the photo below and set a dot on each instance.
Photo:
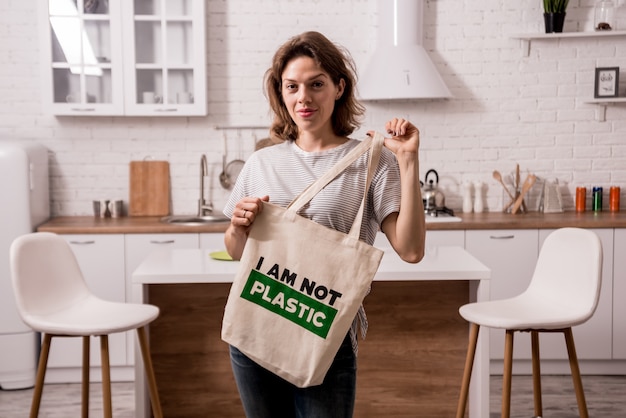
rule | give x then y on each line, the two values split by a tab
83	109
167	241
501	237
83	242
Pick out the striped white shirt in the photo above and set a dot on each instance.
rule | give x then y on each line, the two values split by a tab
283	171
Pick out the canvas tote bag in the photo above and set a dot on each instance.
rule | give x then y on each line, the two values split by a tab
300	284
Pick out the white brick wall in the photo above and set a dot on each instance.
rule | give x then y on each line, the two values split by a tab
507	108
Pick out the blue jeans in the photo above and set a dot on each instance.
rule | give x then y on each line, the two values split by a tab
266	395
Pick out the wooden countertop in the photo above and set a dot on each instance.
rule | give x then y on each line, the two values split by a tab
487	220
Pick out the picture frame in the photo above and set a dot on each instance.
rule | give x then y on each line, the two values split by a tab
606	82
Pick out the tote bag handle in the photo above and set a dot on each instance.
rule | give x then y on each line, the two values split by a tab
375	144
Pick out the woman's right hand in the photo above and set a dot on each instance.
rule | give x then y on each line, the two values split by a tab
244	214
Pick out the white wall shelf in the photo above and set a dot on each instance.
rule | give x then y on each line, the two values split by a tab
526	38
602	104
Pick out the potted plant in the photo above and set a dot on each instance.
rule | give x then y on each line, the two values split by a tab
554	14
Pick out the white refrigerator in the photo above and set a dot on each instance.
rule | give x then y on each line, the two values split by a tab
24	204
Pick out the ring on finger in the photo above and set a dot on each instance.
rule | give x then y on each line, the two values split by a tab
245	212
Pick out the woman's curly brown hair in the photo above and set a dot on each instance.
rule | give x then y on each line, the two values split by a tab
334	60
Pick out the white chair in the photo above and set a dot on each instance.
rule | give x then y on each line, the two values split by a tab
563	292
52	298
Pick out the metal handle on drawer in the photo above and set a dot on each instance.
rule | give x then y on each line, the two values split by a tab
167	241
83	242
502	237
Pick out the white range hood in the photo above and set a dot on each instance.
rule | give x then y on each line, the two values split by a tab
400	67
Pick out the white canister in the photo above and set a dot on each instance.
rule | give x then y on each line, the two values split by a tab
478	196
468	205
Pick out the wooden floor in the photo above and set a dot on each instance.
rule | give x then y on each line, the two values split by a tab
606	398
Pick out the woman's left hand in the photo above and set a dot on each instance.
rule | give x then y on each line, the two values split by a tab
405	136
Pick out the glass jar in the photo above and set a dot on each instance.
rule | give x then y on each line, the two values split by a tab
604	15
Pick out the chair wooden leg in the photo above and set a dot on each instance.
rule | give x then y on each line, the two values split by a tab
85	378
534	335
41	374
573	362
467	373
147	362
507	374
106	377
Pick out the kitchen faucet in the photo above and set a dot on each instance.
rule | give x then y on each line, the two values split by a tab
204	208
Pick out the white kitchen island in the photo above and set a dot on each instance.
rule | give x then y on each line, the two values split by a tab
440	265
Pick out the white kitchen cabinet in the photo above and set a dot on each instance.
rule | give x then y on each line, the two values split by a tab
82	57
455	238
212	241
101	259
511	255
593	338
138	246
100	57
165	57
619	295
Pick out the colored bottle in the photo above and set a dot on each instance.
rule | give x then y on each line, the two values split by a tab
597	199
581	199
614	193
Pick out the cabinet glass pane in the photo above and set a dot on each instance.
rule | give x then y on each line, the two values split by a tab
96	6
66	86
180	86
65	35
172	7
178	7
99	88
98	41
147	7
72	7
148	42
77	42
179	43
149	81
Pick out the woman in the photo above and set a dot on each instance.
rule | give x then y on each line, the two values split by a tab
311	89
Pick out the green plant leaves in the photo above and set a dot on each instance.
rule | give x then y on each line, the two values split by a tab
555	6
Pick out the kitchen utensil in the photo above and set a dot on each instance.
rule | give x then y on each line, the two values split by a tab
116	207
498	177
552	200
517	186
149	188
528	183
230	172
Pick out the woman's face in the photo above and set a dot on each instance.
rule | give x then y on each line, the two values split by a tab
309	94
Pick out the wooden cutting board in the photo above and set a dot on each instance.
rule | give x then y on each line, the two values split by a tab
149	188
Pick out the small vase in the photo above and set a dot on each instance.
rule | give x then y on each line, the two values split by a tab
554	22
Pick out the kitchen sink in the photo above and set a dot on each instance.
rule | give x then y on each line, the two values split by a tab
194	220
